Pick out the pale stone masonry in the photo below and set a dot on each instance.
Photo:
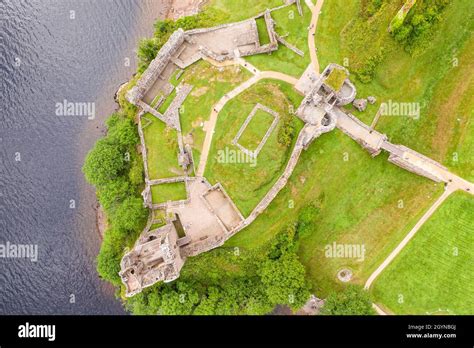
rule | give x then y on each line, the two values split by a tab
156	67
155	257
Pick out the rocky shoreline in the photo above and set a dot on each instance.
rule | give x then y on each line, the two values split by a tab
101	220
183	8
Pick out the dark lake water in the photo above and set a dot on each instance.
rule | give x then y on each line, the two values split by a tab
49	54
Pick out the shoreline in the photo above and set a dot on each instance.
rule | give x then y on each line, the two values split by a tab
101	220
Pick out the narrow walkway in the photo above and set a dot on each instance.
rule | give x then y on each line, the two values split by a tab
449	189
378	309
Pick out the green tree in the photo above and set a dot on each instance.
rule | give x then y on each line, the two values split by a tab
283	243
114	192
208	302
124	132
284	281
110	254
130	215
103	163
180	301
354	300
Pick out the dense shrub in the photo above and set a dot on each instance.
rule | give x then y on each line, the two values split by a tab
415	28
367	72
104	162
114	192
354	300
148	48
286	132
108	260
221	282
129	215
114	167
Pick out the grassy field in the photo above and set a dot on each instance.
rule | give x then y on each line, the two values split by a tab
238	10
359	198
210	85
162	147
263	36
433	274
175	191
454	141
288	21
255	130
248	182
336	79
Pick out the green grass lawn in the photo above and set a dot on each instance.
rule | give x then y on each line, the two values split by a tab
454	140
433	273
167	102
162	149
288	21
162	193
238	10
210	85
255	130
245	182
263	36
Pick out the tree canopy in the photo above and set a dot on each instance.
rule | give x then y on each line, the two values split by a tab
103	163
354	300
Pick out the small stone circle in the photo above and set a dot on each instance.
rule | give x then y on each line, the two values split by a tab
344	275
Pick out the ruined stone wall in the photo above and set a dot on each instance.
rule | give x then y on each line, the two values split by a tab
308	133
172	112
156	66
269	131
290	46
399	161
199	247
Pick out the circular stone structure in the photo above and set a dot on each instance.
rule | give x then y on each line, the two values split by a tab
344	275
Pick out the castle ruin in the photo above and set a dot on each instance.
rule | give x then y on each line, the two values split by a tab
208	216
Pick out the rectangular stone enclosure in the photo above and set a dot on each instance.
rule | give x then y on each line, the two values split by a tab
223	207
169	192
249	134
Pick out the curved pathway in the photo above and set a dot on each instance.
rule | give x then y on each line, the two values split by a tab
312	31
211	123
